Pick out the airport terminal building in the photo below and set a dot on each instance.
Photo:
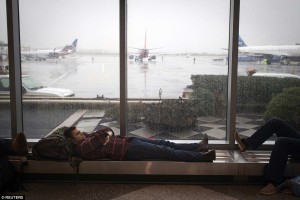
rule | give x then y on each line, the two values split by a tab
175	71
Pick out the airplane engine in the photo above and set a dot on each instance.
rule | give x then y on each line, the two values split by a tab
152	58
284	60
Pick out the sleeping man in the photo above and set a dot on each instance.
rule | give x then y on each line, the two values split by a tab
103	144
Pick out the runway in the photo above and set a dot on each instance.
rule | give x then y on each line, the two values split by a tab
92	75
89	77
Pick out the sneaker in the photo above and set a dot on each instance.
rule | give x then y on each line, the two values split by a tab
269	189
238	139
19	145
203	145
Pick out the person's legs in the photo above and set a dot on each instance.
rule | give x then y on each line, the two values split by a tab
19	144
176	146
140	150
279	156
272	126
5	146
15	146
274	171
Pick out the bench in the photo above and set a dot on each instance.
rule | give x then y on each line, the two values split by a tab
228	162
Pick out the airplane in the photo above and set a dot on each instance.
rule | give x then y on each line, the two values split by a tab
45	54
69	49
283	53
143	54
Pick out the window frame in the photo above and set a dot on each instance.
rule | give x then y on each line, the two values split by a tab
13	27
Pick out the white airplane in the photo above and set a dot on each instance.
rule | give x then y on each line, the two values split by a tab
284	53
45	54
277	75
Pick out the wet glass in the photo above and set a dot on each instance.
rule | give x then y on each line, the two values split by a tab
72	49
31	83
174	74
268	71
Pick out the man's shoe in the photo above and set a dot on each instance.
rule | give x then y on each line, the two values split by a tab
19	145
209	156
238	139
269	189
203	145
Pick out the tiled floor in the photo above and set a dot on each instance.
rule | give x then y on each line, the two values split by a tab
117	191
214	127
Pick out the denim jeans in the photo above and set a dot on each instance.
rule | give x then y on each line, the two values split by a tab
143	149
5	146
288	143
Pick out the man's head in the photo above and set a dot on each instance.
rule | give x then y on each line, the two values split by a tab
74	133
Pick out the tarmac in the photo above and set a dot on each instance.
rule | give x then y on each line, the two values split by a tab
214	127
38	123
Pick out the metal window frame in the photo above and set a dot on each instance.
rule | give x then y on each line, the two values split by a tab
13	35
13	28
232	70
123	66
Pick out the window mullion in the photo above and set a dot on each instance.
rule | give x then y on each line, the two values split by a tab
232	73
13	33
123	67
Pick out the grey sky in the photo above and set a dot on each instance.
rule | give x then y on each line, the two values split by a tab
176	25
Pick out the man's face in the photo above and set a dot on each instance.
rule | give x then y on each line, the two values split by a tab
77	135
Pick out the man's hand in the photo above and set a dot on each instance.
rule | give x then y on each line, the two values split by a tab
110	134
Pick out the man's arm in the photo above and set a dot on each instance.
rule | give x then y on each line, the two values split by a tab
92	143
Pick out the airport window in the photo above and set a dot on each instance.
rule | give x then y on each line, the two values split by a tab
70	63
173	48
268	75
177	67
177	90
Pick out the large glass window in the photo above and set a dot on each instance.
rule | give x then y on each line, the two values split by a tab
173	49
70	48
5	116
268	67
177	66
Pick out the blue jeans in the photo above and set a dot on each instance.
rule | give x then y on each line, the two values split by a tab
143	149
5	146
288	143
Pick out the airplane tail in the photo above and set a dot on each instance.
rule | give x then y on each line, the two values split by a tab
72	47
74	43
241	42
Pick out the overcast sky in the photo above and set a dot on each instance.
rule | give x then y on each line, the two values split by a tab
175	25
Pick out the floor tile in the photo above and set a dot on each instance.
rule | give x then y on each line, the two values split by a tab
145	132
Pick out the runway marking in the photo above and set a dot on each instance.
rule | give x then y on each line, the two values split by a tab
62	76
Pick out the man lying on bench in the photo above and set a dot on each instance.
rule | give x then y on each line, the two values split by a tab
103	144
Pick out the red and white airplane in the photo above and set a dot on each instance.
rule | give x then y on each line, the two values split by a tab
46	54
143	55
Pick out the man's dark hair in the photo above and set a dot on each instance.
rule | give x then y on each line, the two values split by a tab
68	132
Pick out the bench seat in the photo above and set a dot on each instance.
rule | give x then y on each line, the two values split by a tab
233	163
